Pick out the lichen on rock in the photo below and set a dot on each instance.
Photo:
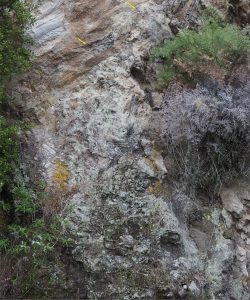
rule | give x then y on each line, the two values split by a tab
98	124
60	175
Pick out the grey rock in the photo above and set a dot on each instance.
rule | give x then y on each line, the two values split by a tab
231	201
227	217
241	253
89	111
170	237
194	290
147	166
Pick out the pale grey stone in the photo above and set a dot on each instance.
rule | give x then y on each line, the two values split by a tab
92	113
231	201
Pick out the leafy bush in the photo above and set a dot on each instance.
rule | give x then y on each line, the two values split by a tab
14	59
14	55
8	150
24	199
216	44
28	241
4	245
31	249
205	132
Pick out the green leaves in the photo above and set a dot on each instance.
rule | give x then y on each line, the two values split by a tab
4	244
27	237
14	55
8	150
36	239
215	44
14	59
24	200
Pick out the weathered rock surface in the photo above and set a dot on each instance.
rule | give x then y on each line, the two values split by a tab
137	236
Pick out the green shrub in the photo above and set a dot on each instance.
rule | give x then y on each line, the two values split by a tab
14	55
24	199
4	245
35	245
8	151
14	59
215	44
28	244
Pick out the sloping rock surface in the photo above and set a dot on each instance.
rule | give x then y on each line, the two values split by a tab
90	99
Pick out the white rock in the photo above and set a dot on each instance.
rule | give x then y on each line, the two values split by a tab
147	167
227	217
241	253
231	201
194	289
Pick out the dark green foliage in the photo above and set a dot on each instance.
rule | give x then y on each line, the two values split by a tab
4	245
215	44
24	199
14	59
33	250
27	240
31	244
14	55
37	239
8	151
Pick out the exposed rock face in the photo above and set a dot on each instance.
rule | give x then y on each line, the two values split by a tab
136	235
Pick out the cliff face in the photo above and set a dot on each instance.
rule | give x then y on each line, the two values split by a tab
91	100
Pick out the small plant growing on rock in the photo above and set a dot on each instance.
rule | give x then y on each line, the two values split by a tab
8	150
28	241
213	49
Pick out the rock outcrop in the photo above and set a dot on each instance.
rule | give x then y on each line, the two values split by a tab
90	98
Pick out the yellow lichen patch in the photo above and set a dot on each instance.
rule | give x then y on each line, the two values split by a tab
60	175
157	189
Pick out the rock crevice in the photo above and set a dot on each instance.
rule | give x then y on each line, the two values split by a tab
92	101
